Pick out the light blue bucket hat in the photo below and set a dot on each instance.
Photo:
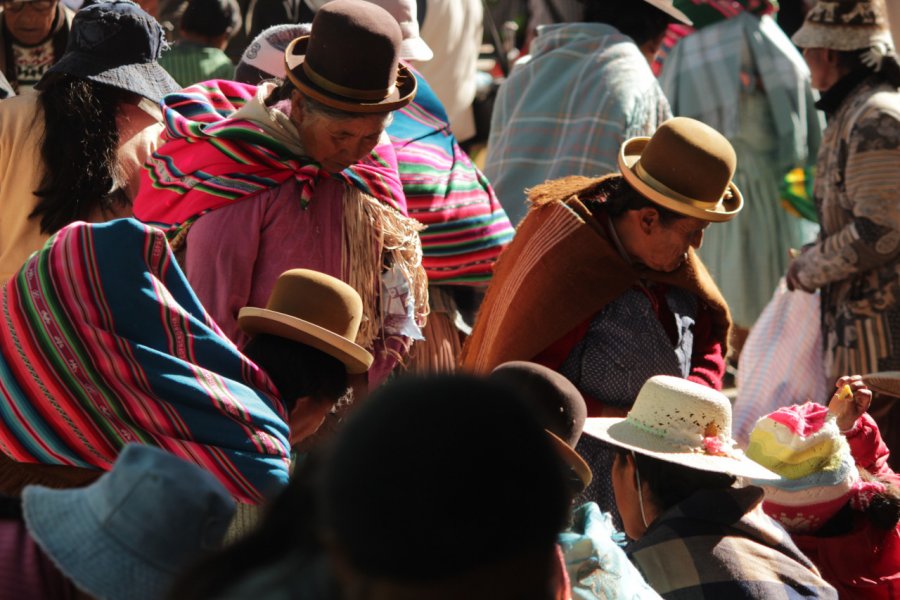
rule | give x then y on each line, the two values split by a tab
130	533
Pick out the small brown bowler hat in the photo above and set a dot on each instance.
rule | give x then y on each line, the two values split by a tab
558	404
314	309
351	59
687	167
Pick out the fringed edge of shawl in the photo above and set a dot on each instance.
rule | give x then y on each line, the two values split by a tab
560	190
376	236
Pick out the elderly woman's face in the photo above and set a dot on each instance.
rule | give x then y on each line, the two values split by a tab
338	143
662	246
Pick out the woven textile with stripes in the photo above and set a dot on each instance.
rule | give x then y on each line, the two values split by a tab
208	159
104	343
466	226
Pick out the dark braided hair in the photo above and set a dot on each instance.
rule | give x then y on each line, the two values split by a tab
79	151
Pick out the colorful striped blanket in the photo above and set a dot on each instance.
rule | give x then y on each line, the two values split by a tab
466	226
104	343
208	159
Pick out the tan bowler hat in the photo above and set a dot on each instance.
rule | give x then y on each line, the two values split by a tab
314	309
687	167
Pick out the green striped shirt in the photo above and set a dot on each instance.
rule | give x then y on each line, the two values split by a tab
189	63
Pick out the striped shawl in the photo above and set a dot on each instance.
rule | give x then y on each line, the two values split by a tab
104	343
466	226
208	159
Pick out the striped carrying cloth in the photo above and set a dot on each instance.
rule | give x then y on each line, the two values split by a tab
104	343
208	159
466	226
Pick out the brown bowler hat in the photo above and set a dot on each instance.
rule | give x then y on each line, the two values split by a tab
314	309
687	167
351	59
558	404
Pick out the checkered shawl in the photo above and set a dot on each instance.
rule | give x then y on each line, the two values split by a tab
719	544
702	79
584	91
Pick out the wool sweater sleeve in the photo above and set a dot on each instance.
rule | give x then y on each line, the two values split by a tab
869	450
708	356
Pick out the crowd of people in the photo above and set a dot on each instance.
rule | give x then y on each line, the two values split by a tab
269	331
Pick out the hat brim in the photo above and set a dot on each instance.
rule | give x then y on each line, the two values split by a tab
884	382
404	92
149	80
668	7
65	528
415	48
843	38
572	458
619	432
630	154
254	320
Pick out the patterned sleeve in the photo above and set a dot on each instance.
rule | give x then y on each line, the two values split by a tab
872	183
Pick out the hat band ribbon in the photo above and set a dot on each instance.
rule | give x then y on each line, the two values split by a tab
347	92
659	186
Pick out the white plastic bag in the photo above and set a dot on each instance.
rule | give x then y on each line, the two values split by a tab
781	363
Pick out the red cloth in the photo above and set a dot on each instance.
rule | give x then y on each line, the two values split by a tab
869	450
864	563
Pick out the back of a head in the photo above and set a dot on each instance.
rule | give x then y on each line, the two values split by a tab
435	478
211	18
637	19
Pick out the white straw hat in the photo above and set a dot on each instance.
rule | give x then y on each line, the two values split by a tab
681	422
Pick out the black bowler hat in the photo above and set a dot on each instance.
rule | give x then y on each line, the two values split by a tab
351	59
116	43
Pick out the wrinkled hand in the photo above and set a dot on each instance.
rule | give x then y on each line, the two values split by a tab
848	408
793	280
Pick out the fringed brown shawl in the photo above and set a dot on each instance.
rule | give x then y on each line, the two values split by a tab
559	270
